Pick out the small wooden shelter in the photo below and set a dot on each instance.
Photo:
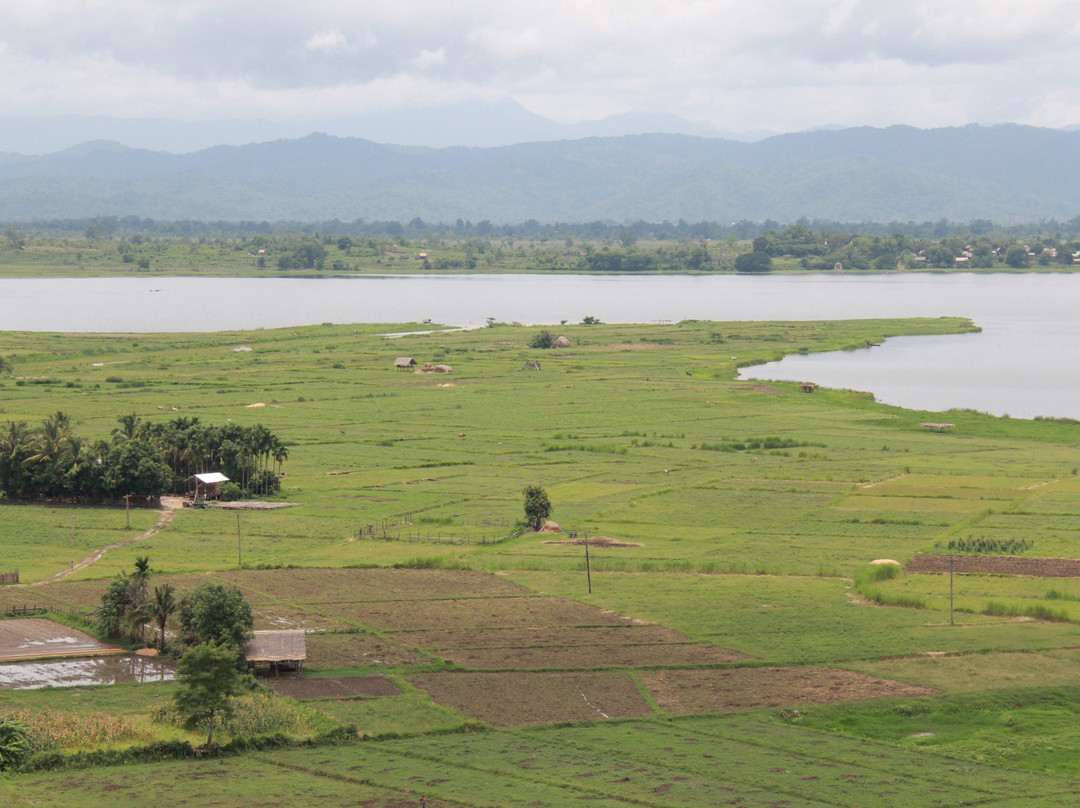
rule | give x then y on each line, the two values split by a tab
209	482
404	363
809	387
277	650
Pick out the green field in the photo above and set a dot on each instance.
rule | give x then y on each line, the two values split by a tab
748	511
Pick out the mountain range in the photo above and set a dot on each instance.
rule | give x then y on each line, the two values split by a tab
1005	173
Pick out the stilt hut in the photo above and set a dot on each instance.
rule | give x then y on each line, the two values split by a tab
275	651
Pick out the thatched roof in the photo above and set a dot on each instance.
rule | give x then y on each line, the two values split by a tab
277	646
404	362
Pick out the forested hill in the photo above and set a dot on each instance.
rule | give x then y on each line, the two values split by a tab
1003	173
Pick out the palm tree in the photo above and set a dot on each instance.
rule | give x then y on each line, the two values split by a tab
162	608
128	426
136	619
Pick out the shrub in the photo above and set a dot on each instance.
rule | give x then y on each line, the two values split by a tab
16	743
544	340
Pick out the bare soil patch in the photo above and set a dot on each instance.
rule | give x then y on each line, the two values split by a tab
767	388
597	656
596	541
632	634
357	651
519	699
719	691
38	638
280	616
346	688
254	505
998	565
474	613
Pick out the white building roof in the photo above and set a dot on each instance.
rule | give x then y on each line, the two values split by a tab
211	477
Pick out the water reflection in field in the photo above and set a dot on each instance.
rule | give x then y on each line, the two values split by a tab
84	671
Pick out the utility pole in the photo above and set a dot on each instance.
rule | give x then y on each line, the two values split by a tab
588	569
239	548
72	531
952	561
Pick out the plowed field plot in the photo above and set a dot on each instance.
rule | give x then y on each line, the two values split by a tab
518	699
598	656
998	565
356	585
499	612
716	691
16	597
347	688
357	651
279	616
85	596
37	638
533	637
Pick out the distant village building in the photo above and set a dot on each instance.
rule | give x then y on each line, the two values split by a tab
404	363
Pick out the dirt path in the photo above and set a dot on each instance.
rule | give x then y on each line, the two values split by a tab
162	522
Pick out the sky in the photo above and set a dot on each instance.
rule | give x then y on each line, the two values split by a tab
778	65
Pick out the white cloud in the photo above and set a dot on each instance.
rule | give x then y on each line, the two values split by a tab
781	64
327	42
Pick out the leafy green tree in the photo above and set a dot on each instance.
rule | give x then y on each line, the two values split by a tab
1017	257
209	679
216	613
5	365
537	506
753	262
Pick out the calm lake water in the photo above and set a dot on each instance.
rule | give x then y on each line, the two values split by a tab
1024	363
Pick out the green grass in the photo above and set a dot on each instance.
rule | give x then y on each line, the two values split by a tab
754	549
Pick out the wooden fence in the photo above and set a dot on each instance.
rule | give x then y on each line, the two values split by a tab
9	577
23	611
404	530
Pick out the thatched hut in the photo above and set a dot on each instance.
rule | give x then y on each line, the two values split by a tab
277	650
404	362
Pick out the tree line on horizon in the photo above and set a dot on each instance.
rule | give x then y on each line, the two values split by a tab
117	227
590	247
53	462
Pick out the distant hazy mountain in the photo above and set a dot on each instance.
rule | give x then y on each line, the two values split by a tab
1003	173
500	123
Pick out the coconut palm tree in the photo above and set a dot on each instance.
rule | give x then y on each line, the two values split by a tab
163	606
129	424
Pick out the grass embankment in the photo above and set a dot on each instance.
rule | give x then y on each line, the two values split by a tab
752	509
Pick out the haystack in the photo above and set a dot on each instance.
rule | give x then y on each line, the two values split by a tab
550	526
561	342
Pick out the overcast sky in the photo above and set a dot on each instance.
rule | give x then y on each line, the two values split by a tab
782	65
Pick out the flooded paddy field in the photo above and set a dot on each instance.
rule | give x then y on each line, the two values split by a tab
107	670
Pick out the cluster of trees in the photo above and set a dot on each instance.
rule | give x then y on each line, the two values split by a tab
215	620
141	458
824	248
